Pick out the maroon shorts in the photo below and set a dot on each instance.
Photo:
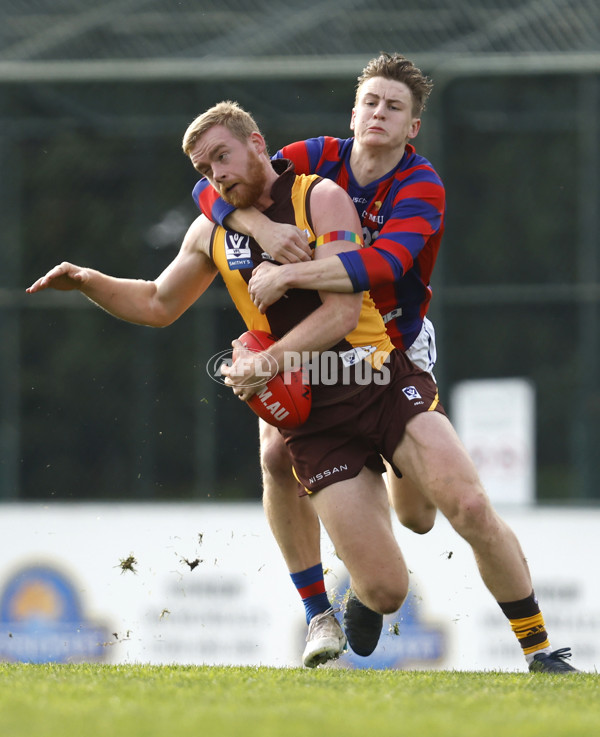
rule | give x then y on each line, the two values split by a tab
339	439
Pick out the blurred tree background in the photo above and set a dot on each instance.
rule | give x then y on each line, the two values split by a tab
92	172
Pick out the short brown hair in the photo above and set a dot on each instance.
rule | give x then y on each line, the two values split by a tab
399	68
228	114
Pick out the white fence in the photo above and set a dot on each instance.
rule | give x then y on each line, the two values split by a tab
209	586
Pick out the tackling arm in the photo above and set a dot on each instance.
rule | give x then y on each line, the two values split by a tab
332	210
416	222
154	303
284	242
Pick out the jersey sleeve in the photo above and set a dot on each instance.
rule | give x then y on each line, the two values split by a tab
299	154
313	156
320	155
210	202
303	154
417	217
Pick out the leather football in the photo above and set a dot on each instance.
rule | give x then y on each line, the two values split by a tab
285	400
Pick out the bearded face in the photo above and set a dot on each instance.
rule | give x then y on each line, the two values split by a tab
249	187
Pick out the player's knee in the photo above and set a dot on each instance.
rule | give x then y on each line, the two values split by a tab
472	511
390	602
385	598
418	526
274	459
420	523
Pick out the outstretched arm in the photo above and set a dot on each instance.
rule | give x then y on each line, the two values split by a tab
155	303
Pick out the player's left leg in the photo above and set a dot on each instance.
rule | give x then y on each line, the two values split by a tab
433	457
413	509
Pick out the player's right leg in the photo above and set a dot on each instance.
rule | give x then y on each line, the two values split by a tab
363	625
292	519
356	514
414	511
296	528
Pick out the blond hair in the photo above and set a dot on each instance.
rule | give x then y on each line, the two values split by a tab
228	114
399	68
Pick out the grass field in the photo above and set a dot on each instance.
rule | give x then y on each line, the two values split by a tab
177	701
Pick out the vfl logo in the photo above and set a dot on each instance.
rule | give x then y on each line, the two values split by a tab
410	392
237	250
353	356
397	312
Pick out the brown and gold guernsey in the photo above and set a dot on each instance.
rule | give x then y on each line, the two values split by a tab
236	255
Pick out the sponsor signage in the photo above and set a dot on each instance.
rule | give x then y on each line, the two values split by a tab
206	584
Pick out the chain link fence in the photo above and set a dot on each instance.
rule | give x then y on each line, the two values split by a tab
92	408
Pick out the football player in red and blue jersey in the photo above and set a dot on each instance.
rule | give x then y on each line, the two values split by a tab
398	195
400	200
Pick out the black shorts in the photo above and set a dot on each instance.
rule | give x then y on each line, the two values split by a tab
339	439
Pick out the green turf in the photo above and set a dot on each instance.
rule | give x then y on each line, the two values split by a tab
177	701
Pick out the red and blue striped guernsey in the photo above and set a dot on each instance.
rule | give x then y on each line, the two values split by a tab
402	216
